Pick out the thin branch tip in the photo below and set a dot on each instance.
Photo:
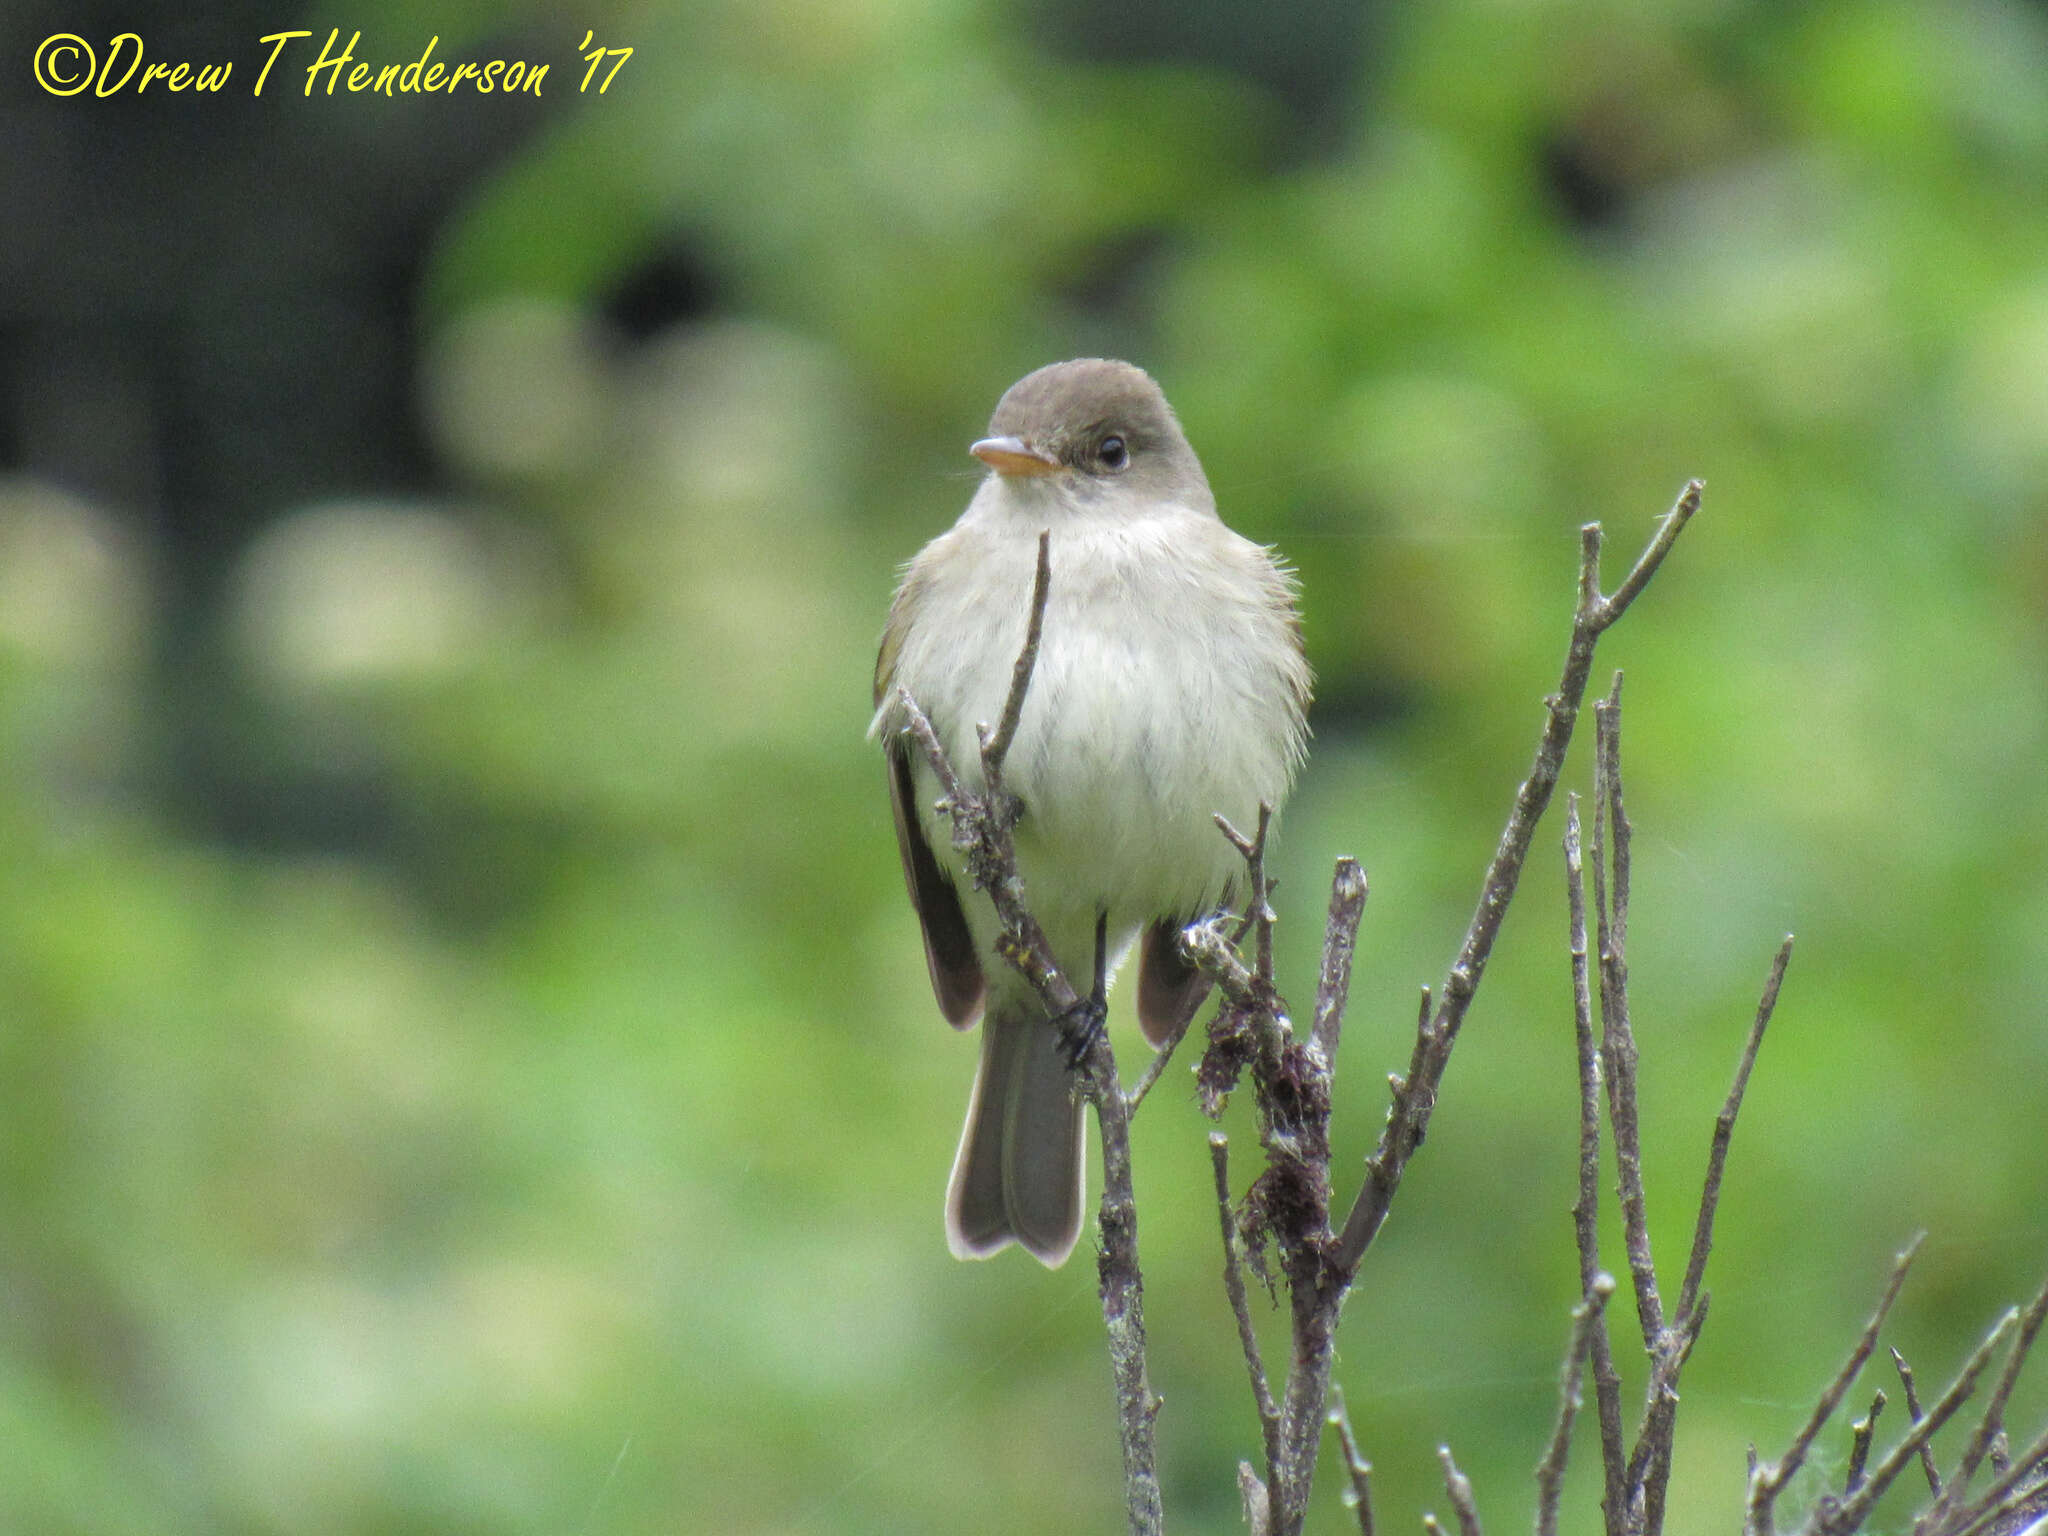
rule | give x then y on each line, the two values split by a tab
1668	530
995	746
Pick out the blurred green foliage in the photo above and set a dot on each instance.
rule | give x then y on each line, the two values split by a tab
568	1157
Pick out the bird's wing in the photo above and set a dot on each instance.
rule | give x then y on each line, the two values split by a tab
949	951
1169	989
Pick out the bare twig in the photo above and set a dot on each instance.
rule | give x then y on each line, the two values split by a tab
1258	1502
1768	1480
1724	1132
1458	1487
1240	1305
1301	1411
982	832
996	745
1650	1463
1860	1434
1667	535
1993	1419
1122	1288
1258	916
1618	1043
1288	1208
1348	890
1208	947
1356	1467
1156	1067
1850	1513
1587	1324
1410	1117
1288	1205
2017	1488
1586	1209
1913	1416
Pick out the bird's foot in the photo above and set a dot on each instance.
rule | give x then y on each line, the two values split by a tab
1080	1027
1087	1021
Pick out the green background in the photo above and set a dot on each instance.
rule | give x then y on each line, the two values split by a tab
466	1057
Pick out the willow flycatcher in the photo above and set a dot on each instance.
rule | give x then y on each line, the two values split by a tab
1170	686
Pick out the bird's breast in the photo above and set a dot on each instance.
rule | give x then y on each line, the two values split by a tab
1164	692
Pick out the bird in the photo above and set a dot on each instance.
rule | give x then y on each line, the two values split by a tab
1171	686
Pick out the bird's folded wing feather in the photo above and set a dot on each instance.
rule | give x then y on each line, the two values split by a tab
949	951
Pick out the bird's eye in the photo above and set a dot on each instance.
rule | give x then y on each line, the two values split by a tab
1113	453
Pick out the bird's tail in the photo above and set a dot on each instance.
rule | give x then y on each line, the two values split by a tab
1018	1174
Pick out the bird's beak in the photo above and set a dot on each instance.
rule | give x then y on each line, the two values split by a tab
1013	456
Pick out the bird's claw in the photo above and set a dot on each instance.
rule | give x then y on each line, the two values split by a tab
1080	1027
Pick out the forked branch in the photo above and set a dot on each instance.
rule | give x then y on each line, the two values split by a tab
982	825
1416	1099
1289	1204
